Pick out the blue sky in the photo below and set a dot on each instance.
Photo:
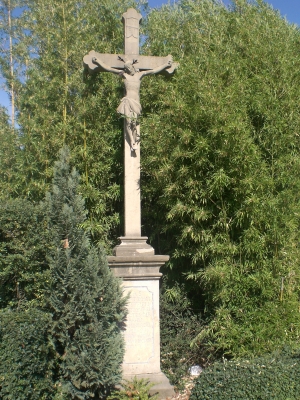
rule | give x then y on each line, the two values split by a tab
288	8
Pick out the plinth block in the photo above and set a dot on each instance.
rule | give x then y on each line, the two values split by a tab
133	246
137	267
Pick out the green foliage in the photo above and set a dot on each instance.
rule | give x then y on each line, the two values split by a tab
220	149
24	243
137	389
27	357
271	377
221	167
8	153
179	324
85	299
59	104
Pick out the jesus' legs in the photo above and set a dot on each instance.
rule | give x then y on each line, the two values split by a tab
132	132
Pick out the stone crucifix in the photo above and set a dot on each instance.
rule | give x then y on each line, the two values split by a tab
131	67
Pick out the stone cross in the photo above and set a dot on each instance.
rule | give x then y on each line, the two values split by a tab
131	67
134	260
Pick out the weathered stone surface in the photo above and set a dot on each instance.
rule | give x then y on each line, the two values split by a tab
131	21
138	267
115	61
142	328
132	190
140	277
133	246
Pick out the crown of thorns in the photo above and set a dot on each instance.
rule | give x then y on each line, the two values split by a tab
134	61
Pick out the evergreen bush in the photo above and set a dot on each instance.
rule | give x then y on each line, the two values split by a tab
27	358
275	376
24	244
85	299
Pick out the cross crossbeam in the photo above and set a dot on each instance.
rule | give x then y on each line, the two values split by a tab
115	61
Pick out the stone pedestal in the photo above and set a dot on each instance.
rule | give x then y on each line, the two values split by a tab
135	262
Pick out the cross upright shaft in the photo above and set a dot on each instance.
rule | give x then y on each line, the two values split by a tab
132	165
131	20
130	108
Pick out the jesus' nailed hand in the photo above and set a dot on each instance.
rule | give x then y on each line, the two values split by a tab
130	106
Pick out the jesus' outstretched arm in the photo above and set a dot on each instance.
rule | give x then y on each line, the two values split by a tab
158	69
106	67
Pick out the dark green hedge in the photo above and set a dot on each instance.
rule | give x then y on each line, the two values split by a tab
276	376
179	324
26	356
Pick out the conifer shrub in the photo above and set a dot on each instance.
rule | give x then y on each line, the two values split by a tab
275	376
23	248
27	358
85	299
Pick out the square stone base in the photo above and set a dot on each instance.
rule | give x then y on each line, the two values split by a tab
139	270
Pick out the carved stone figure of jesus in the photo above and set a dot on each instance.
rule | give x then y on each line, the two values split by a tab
130	107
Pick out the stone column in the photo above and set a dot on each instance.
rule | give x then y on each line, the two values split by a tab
132	191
